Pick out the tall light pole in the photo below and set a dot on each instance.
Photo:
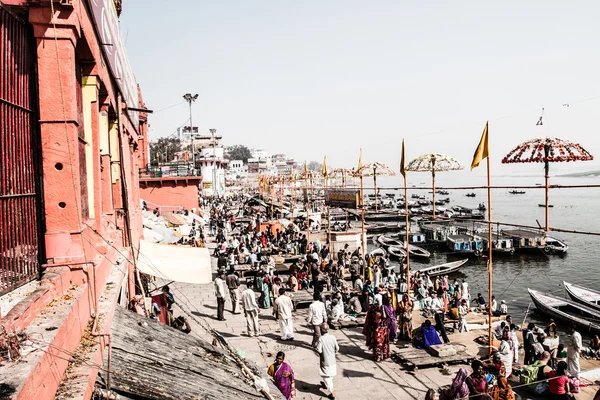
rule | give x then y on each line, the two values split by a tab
190	99
214	176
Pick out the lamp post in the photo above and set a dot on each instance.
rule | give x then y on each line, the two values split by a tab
190	99
214	171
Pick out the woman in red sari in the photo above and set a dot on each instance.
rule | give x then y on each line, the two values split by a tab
283	376
377	332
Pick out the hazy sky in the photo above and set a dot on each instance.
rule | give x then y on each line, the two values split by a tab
314	78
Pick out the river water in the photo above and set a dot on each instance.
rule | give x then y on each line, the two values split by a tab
575	209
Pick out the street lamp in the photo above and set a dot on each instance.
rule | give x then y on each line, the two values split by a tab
190	99
214	177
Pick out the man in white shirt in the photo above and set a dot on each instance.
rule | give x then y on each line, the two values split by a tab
317	316
378	276
403	287
437	306
251	310
358	284
220	294
494	305
378	297
327	347
282	308
573	351
463	310
503	308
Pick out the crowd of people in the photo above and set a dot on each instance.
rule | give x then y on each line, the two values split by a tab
349	286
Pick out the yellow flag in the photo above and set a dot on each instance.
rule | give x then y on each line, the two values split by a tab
359	161
403	161
325	166
482	150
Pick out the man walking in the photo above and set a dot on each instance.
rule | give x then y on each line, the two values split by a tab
573	351
327	347
220	293
233	282
437	306
251	310
317	316
282	309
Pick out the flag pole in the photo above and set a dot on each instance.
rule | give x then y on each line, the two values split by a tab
362	221
490	251
375	186
406	239
293	180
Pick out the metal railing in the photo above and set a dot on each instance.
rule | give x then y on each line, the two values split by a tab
175	169
20	215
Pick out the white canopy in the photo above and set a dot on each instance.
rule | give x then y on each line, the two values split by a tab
175	263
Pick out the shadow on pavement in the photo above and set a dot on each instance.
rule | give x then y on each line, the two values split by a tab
309	388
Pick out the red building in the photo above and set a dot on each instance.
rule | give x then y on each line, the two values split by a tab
71	141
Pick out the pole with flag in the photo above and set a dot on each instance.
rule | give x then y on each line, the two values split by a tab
362	214
307	202
326	176
482	152
403	172
293	194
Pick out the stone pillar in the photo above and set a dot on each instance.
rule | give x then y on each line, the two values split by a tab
105	167
59	123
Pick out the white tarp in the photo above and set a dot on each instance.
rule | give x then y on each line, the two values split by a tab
175	263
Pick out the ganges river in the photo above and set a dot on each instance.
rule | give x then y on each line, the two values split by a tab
574	209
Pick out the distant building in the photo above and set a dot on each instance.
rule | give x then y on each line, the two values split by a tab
237	167
212	163
260	162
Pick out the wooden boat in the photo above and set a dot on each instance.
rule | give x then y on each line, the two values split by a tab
585	296
543	205
517	192
416	251
378	252
554	245
387	242
396	252
568	311
443	269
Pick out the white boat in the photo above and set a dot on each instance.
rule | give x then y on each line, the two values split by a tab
416	251
380	251
443	269
554	245
397	252
387	242
585	296
568	311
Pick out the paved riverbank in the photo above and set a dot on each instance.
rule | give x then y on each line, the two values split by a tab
359	377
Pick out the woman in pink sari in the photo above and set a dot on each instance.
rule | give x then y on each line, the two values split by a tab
283	376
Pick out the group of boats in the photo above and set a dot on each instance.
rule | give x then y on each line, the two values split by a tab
582	309
396	247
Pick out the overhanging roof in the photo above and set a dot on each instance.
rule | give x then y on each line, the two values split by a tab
152	361
175	263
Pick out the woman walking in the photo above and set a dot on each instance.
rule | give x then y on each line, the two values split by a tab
283	376
405	309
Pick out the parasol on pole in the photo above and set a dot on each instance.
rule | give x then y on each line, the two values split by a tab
375	169
546	150
343	173
433	162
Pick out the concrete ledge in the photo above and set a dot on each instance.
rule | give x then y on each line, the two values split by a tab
54	284
80	378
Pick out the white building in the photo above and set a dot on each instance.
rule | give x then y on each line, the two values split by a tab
260	162
237	167
210	156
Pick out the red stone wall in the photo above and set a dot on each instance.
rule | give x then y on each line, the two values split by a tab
171	191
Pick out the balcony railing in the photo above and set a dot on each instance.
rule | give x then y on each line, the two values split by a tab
178	169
